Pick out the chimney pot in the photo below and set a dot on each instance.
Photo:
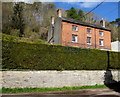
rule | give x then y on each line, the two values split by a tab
102	22
52	20
59	12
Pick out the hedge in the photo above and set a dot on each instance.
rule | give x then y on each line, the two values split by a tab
21	55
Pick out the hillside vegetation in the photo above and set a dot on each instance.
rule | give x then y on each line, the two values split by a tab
7	37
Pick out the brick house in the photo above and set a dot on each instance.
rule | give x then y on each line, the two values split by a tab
71	32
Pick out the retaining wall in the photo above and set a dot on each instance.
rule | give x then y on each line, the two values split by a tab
40	79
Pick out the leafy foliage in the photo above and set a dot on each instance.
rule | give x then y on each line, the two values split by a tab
17	19
27	20
115	26
81	15
21	55
74	14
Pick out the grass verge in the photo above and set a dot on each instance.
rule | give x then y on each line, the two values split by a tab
29	90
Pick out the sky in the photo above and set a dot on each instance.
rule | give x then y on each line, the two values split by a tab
107	10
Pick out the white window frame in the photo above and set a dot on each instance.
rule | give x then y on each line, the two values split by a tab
74	28
90	41
101	34
75	38
101	42
88	31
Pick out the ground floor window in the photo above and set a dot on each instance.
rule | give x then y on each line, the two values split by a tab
89	40
74	38
101	42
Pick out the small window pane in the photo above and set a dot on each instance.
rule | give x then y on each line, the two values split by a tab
101	33
89	40
88	30
74	28
74	38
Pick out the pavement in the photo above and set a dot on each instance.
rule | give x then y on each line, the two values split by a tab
102	92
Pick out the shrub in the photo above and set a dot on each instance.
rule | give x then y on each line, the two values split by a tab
21	55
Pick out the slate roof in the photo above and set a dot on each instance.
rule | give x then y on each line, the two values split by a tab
83	23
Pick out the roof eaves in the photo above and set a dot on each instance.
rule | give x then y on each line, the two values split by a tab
83	23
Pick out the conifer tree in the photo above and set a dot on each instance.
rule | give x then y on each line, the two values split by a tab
17	18
72	13
80	15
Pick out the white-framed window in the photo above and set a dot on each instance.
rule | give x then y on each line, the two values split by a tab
101	33
101	42
74	28
89	30
89	40
74	38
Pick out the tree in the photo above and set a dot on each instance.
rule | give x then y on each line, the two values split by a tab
92	18
37	18
115	29
72	13
17	18
114	32
75	14
116	22
27	20
7	10
81	15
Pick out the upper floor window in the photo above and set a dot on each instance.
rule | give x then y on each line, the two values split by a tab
74	28
74	38
89	30
101	42
89	40
101	33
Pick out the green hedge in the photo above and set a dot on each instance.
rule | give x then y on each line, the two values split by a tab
7	37
21	55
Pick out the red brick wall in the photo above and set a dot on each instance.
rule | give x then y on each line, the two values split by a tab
82	36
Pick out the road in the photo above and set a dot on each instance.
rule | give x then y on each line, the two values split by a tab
76	93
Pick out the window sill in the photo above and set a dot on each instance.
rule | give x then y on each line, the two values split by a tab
74	42
74	30
89	33
89	44
101	45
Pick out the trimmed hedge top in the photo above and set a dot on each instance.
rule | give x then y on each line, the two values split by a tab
21	55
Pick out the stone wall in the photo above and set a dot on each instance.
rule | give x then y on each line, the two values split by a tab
40	79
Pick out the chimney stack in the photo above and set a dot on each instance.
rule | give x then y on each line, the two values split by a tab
59	12
102	22
52	20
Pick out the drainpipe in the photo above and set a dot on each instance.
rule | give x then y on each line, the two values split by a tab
95	39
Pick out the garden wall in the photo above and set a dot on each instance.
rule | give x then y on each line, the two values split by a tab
40	79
